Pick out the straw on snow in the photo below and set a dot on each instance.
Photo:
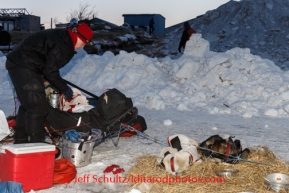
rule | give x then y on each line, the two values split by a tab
249	178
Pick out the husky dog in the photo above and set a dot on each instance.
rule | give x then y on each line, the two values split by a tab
181	141
181	154
165	151
223	148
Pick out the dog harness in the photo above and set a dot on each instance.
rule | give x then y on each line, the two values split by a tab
191	160
228	149
172	163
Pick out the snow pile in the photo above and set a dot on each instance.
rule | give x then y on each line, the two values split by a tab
234	82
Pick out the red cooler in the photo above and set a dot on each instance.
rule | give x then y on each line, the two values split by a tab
31	164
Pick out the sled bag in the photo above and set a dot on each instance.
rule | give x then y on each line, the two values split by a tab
61	119
139	125
113	108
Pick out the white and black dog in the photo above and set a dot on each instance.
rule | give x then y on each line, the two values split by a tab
180	155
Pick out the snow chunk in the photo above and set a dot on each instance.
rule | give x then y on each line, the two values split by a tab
196	46
135	191
188	70
183	107
271	112
285	96
126	37
247	115
168	122
4	129
154	102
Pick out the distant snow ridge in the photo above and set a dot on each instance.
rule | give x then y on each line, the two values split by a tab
261	25
234	82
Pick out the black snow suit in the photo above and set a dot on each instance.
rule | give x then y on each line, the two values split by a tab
38	56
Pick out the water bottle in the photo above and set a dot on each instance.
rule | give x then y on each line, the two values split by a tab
54	99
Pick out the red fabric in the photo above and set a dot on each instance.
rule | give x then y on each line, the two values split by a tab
73	36
64	171
86	31
115	169
131	133
190	31
11	123
110	168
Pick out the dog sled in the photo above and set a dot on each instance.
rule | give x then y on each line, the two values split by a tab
114	119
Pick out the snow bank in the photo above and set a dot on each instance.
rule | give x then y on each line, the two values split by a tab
234	82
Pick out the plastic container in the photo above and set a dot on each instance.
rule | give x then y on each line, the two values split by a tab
30	164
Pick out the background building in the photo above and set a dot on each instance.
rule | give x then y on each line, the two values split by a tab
19	20
142	20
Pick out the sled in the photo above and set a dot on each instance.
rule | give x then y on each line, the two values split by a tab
57	122
56	126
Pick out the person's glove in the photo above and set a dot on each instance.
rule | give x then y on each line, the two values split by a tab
68	93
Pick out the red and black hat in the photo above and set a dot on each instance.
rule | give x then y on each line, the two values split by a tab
82	31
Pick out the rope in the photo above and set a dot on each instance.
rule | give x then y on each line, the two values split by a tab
234	158
142	134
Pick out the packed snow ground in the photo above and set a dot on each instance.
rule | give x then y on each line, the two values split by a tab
202	92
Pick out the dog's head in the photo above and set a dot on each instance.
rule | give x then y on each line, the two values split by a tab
177	162
222	147
180	161
165	151
210	141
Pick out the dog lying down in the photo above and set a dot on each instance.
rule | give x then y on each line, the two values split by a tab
223	148
181	154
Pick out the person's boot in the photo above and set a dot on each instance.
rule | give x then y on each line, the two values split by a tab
36	138
20	136
19	141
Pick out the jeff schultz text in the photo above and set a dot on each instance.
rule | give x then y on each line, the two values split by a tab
89	178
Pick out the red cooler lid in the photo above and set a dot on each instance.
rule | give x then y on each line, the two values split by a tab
25	148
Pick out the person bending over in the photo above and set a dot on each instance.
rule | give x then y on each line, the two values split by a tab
39	56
